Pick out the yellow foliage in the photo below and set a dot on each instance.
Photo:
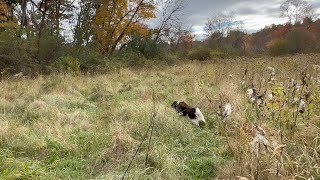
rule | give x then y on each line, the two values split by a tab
116	20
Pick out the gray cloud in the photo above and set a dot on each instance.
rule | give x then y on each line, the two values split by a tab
255	14
246	11
272	11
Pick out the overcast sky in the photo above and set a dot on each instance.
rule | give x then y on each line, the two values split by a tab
255	14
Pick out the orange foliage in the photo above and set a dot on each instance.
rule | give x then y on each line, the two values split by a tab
116	20
274	35
279	32
5	16
186	41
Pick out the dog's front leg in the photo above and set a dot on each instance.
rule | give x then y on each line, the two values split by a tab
195	122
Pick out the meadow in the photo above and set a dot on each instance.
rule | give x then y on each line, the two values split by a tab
64	126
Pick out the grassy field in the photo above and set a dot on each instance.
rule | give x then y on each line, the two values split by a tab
89	127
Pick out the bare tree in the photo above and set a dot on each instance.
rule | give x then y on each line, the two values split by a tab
296	10
171	13
221	23
59	11
222	30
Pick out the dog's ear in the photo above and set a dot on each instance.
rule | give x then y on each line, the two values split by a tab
192	115
174	104
182	102
183	105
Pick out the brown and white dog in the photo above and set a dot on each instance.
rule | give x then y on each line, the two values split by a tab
193	114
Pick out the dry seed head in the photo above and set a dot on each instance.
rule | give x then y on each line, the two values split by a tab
259	141
270	95
243	83
302	106
251	93
307	94
316	67
227	111
241	178
271	70
295	100
277	150
292	83
19	75
260	130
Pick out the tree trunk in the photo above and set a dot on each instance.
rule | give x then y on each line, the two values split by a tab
43	18
114	46
24	13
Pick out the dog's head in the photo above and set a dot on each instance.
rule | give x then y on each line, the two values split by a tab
174	104
180	106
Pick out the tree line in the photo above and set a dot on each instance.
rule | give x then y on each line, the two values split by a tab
44	36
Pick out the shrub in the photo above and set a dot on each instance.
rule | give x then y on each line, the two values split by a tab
16	54
90	60
200	53
68	64
145	46
278	48
217	53
50	49
170	58
125	58
300	41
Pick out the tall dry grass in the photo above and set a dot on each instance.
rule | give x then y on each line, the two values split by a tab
88	127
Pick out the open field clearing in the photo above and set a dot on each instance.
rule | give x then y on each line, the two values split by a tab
89	127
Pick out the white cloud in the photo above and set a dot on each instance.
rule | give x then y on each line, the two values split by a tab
199	32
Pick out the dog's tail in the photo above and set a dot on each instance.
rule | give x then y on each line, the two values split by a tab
199	115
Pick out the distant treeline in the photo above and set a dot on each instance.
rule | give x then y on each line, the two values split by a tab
273	40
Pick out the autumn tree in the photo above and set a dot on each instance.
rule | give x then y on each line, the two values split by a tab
180	37
280	32
300	40
219	27
315	29
117	20
6	14
186	41
236	40
296	10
